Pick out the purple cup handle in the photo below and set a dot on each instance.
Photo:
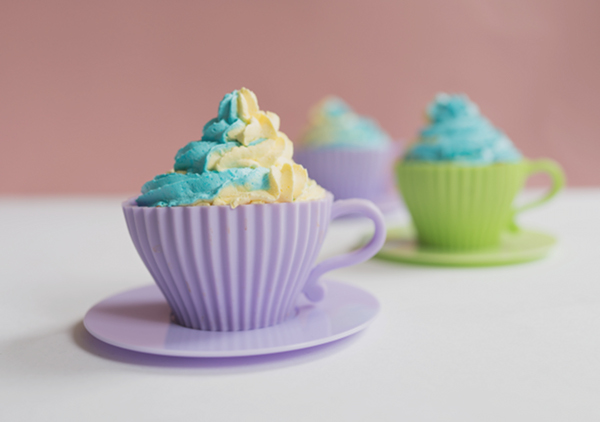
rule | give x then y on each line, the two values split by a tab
315	291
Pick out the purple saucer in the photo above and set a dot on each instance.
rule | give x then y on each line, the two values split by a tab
140	320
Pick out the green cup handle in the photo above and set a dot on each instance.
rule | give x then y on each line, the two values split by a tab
555	171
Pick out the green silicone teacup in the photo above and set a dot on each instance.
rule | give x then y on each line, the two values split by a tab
457	207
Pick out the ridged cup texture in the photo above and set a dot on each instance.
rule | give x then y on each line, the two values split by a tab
458	207
224	269
352	172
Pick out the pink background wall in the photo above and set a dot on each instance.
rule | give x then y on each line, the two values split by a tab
98	97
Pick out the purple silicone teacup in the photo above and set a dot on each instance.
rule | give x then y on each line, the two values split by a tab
354	172
233	269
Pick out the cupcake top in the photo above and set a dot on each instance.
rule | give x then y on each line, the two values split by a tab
242	158
333	124
457	132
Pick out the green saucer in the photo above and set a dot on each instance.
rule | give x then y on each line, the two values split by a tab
514	248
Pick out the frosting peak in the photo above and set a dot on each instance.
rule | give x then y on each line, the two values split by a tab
457	132
242	158
447	107
332	123
240	119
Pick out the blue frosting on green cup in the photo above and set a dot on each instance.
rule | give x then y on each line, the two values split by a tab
457	132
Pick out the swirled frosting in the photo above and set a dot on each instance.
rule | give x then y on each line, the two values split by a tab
242	158
458	132
333	124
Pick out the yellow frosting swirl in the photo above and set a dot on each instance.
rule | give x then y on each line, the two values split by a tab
242	158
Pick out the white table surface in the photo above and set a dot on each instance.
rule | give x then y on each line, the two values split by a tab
515	343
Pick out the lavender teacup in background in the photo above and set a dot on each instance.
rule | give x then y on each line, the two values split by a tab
349	155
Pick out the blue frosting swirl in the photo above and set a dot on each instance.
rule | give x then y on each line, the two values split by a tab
227	119
333	124
174	189
241	159
191	181
457	132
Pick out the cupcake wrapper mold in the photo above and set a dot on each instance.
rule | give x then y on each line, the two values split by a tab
457	207
224	269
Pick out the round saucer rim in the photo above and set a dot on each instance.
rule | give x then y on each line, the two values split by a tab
257	352
241	353
426	258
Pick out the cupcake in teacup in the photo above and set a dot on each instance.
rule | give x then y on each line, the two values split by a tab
349	154
460	177
232	233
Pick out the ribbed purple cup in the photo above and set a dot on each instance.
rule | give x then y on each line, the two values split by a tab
224	269
354	172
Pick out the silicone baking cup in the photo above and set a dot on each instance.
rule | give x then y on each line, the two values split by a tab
232	269
459	207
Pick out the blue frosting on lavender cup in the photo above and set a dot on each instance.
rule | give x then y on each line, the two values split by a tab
333	124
